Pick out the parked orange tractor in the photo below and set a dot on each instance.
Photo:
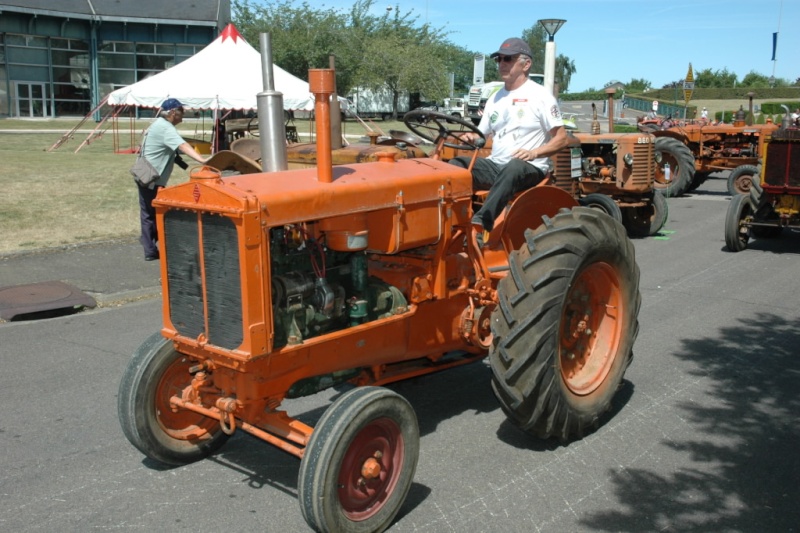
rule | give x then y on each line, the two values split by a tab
280	284
713	148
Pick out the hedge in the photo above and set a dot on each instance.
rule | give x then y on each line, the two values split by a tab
737	93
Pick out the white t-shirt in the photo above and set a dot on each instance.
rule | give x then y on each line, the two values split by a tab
520	118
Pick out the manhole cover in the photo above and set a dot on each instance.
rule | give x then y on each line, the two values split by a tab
39	299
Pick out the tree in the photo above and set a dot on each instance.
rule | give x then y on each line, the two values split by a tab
392	50
638	85
755	80
719	78
302	38
402	56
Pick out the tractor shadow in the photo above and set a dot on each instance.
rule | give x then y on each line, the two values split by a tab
435	398
745	437
788	242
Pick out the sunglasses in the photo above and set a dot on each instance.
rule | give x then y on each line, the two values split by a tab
506	59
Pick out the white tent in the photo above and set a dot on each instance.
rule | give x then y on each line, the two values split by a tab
226	74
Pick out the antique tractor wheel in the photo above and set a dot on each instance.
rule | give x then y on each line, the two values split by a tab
359	463
681	166
565	324
604	203
646	220
155	373
740	180
736	233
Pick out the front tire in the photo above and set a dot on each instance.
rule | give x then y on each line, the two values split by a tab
647	220
154	374
740	180
736	233
604	203
359	463
564	329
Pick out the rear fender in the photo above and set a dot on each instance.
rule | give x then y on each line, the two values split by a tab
525	212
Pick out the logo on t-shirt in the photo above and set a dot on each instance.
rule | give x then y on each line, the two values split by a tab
555	112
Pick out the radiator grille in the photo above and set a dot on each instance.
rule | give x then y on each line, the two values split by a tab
783	164
643	167
186	233
562	171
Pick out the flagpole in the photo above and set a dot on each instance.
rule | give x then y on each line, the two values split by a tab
775	47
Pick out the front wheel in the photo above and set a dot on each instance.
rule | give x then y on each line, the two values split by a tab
359	463
740	180
604	203
737	233
155	373
647	220
564	328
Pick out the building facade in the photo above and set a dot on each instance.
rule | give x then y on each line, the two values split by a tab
63	57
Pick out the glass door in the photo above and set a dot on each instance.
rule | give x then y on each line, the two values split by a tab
31	99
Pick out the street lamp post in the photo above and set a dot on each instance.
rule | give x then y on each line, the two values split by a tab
551	26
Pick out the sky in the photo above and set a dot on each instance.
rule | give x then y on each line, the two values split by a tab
619	40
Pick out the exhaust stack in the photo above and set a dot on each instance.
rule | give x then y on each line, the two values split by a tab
322	82
272	130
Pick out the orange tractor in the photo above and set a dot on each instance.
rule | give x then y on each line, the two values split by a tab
711	148
615	172
280	284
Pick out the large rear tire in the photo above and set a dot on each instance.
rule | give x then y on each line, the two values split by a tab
154	374
359	463
740	180
564	329
736	233
681	165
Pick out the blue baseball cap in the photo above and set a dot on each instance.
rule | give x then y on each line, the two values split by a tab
170	104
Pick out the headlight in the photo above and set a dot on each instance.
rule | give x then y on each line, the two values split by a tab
628	158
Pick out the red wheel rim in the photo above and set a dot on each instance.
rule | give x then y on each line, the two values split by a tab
370	469
591	328
181	424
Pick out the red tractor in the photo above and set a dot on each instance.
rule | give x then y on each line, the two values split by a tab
280	284
772	203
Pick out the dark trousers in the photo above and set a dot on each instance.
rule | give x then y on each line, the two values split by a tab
502	181
147	216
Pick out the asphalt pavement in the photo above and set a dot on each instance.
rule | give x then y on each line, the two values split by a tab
112	272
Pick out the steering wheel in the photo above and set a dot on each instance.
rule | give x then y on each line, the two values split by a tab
436	127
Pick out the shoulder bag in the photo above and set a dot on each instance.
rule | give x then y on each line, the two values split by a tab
144	174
